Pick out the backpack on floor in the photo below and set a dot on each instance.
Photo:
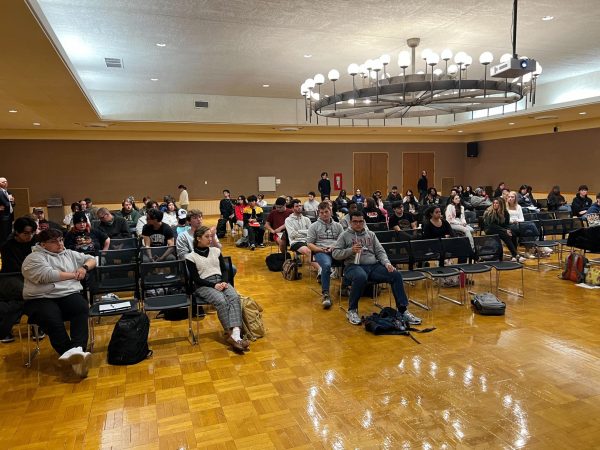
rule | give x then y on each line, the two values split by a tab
487	304
242	242
389	322
290	270
275	261
129	341
574	268
592	277
252	323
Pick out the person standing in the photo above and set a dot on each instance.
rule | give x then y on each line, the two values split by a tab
184	200
7	205
324	186
422	185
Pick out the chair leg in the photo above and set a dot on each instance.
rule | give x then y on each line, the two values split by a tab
191	335
36	350
416	302
92	333
518	294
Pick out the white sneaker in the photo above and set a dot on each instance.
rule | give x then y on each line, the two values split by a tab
521	259
72	356
81	369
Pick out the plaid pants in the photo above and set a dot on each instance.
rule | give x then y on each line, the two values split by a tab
226	302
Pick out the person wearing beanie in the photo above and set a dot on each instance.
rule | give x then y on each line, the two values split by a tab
83	239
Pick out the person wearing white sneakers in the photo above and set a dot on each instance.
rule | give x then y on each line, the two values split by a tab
52	294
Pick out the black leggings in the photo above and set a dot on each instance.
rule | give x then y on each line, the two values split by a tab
509	241
52	313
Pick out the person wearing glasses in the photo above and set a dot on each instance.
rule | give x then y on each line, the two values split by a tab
113	227
52	294
365	260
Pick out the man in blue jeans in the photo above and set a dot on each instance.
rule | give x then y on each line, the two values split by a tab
321	237
365	260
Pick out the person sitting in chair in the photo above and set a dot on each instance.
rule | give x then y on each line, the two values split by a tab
208	272
52	294
253	218
365	260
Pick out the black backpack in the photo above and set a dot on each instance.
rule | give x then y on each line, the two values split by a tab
129	341
487	304
275	261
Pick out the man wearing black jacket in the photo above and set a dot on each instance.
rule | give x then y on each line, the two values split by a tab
226	208
581	202
324	186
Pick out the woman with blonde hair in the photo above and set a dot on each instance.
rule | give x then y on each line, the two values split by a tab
496	220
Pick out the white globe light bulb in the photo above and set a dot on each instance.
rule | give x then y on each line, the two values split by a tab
377	64
468	61
333	75
452	69
433	58
385	59
369	64
446	54
310	83
319	79
425	53
438	72
460	58
353	69
404	59
486	58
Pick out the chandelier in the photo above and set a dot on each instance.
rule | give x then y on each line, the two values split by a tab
443	87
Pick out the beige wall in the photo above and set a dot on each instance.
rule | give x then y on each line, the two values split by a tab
108	171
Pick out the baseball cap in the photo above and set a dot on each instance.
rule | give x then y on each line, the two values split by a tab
181	214
35	210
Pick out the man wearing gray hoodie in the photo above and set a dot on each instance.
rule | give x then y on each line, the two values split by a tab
52	296
365	260
322	235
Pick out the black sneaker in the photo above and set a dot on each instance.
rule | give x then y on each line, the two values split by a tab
8	339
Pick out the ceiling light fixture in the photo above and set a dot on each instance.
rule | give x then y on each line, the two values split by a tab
36	124
161	44
12	111
511	123
445	90
582	113
459	131
266	85
308	55
153	79
547	18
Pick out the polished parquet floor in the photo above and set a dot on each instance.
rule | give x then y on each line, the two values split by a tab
530	379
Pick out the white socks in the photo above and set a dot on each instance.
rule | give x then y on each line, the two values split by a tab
235	333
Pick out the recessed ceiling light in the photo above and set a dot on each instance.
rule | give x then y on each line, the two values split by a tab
547	18
161	44
12	111
459	131
266	85
153	79
511	123
36	124
308	55
582	113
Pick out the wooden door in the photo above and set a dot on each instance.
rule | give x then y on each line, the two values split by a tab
21	196
371	172
412	166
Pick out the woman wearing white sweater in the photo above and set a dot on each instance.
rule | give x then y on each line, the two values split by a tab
455	215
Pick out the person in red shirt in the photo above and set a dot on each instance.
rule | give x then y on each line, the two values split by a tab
276	223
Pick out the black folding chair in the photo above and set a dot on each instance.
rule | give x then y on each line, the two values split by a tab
103	283
378	226
489	251
460	248
399	255
425	251
164	286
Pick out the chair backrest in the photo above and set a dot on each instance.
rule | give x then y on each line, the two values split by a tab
163	274
457	247
398	252
267	209
546	215
378	226
530	216
122	256
148	254
543	202
118	244
529	231
114	278
570	224
386	236
552	228
310	214
423	250
488	247
562	214
228	275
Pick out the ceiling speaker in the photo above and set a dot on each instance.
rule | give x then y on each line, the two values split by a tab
472	150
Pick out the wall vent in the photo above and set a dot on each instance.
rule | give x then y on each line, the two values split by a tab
115	63
200	104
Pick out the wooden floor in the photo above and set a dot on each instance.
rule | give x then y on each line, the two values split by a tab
530	379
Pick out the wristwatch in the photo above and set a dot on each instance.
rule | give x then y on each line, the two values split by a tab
87	269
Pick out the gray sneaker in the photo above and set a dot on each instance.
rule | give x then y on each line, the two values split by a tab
353	317
326	301
411	318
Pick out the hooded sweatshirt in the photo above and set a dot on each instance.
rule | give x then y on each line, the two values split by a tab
324	234
372	251
41	270
297	228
